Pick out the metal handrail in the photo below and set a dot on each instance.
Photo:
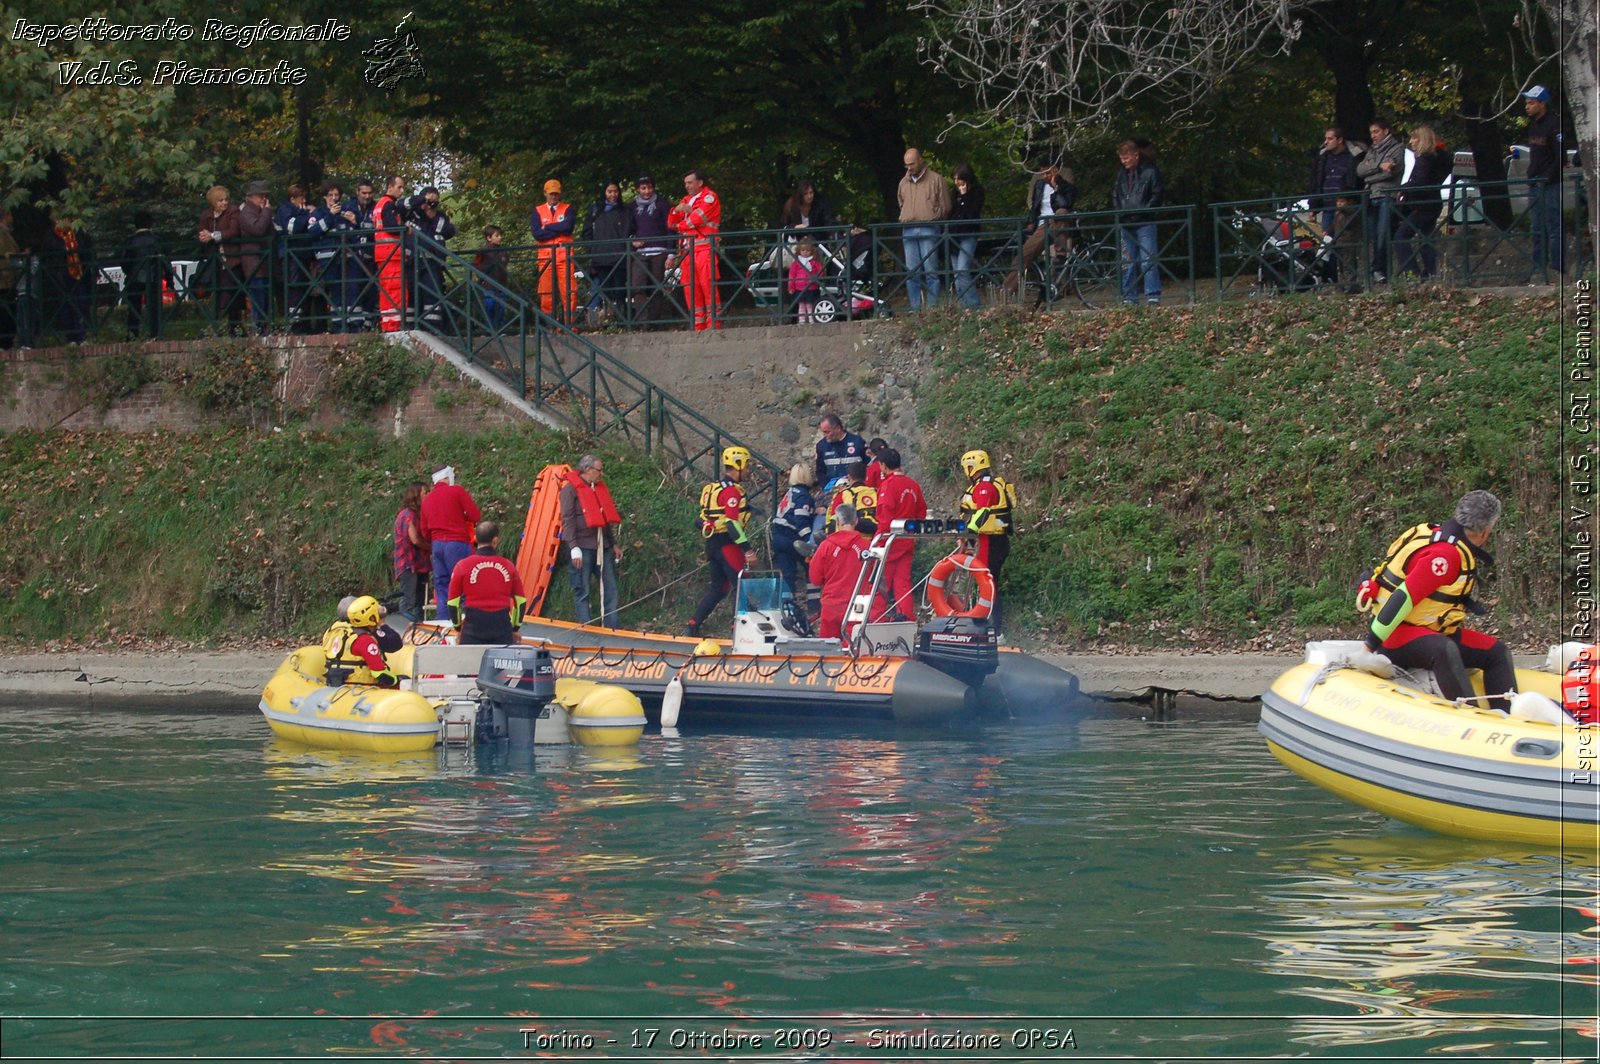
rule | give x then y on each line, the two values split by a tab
569	373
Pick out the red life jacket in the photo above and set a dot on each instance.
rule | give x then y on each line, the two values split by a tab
598	509
1580	688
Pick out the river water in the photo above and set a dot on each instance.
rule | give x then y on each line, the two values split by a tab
187	885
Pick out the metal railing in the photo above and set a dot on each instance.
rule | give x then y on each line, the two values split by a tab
500	331
329	282
1435	233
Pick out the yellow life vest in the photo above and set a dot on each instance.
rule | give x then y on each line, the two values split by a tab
1445	609
714	518
344	665
991	520
864	499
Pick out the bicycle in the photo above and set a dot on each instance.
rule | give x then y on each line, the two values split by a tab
1075	264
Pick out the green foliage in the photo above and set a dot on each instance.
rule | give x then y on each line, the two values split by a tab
1228	471
122	373
234	377
365	375
242	535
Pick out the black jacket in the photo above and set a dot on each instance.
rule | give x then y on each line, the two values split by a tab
607	233
1063	195
1427	172
1135	189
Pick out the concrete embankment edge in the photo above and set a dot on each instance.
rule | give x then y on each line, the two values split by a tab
231	681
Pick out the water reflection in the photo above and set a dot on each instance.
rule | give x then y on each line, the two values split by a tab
1423	937
718	855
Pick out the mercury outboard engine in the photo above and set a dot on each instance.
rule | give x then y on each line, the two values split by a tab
962	647
518	684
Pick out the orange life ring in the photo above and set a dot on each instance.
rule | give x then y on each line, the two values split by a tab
947	605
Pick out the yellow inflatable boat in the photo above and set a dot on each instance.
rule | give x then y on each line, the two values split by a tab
1393	744
301	707
438	699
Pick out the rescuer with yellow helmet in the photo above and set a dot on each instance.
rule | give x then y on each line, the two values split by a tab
355	644
986	509
1421	593
724	521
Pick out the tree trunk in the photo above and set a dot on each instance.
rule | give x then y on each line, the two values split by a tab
1339	35
1488	146
1579	36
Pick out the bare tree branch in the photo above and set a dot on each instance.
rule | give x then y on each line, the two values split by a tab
1052	68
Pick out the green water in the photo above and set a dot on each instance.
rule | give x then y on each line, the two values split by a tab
1161	892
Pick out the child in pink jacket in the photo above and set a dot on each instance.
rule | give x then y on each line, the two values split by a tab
805	280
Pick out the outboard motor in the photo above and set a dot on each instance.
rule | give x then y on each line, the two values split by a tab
962	647
518	683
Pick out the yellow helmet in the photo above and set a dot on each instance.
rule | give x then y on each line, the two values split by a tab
735	457
365	612
974	462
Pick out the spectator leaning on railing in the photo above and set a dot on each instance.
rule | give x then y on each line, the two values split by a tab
924	201
607	231
652	251
1420	203
1545	160
1380	170
1136	192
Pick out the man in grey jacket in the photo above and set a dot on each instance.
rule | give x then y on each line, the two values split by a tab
1381	170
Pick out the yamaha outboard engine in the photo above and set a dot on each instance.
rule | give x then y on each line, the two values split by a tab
962	647
518	683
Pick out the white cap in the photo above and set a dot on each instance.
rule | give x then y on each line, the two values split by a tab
447	475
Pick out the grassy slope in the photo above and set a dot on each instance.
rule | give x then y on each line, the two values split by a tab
1228	472
242	534
1215	474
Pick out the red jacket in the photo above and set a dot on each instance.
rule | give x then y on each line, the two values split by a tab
834	568
449	514
486	582
1430	568
899	499
697	216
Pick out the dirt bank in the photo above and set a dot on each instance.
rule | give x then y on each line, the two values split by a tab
231	681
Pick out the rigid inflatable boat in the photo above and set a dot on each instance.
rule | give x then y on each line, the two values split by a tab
946	669
448	694
1383	737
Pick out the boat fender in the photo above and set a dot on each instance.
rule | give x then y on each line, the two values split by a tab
1349	652
1531	705
672	702
1560	658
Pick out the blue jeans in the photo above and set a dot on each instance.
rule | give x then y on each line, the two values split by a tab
1544	225
582	581
1139	260
1384	217
922	265
966	252
446	553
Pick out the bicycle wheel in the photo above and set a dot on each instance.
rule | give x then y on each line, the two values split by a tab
1039	283
1095	276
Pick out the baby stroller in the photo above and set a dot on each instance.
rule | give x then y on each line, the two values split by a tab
1293	254
846	282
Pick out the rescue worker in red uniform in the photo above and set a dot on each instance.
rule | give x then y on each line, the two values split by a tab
389	217
1420	596
698	217
724	517
486	592
986	512
553	223
835	567
354	646
899	499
